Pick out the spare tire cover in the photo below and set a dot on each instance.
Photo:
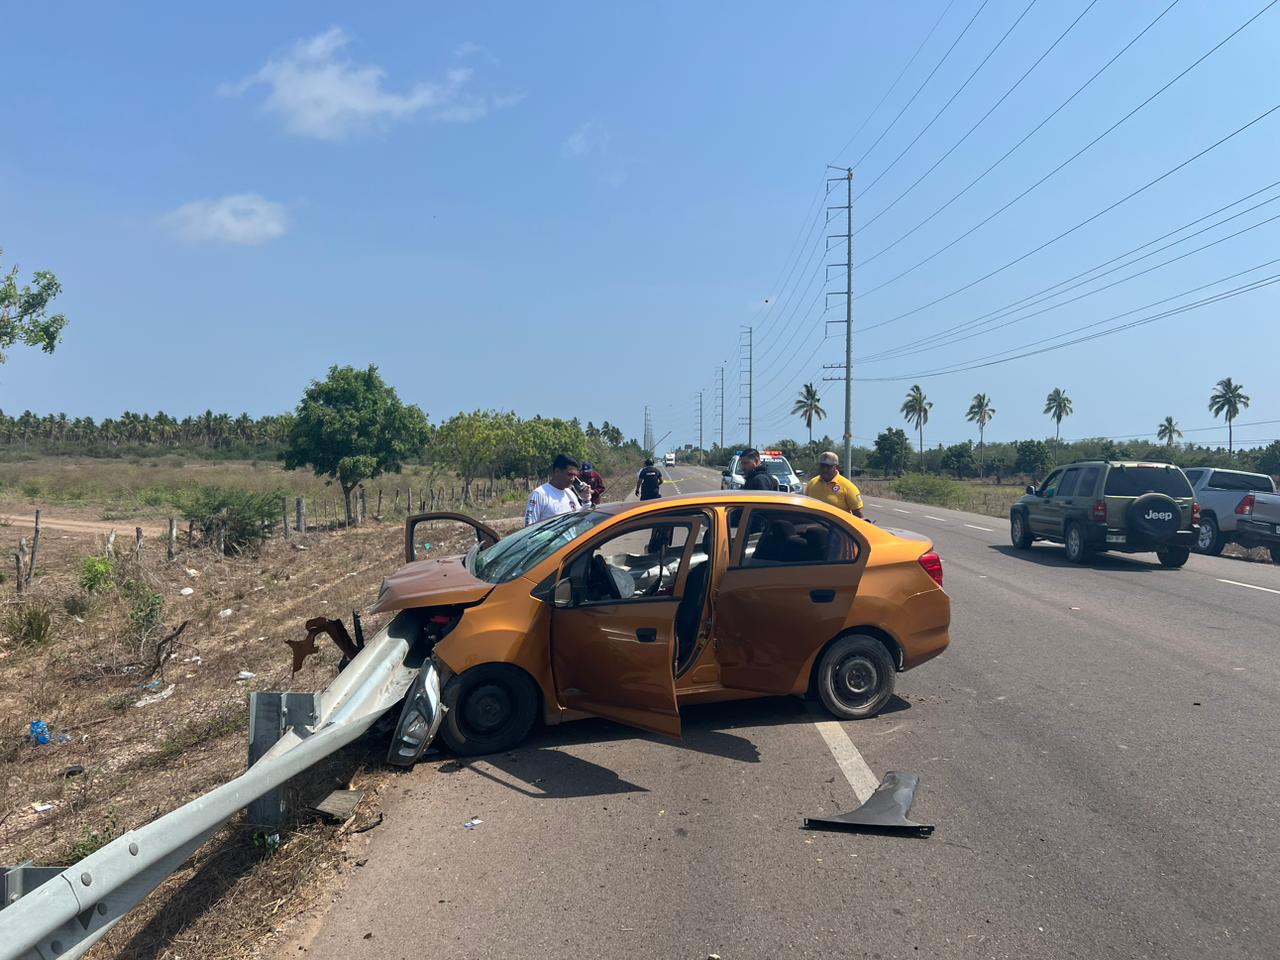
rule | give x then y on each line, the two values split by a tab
1154	515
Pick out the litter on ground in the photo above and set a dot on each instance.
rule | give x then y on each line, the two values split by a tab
151	698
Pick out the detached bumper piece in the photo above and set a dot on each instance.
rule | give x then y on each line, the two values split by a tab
885	811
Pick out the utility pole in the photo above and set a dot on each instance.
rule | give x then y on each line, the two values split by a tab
746	345
847	236
648	431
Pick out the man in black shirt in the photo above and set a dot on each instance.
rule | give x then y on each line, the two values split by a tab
648	480
754	473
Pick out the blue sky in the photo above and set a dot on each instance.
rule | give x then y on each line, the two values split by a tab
573	210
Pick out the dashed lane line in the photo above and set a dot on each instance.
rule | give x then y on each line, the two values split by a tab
1250	586
939	519
847	757
907	512
974	526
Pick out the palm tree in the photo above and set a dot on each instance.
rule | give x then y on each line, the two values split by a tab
980	412
807	406
1057	405
1229	398
1168	431
915	410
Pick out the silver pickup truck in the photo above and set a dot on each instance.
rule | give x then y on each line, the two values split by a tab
1236	507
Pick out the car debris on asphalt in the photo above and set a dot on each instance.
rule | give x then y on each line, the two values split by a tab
885	811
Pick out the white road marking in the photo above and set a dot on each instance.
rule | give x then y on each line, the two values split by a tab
850	761
974	526
939	519
1251	586
907	512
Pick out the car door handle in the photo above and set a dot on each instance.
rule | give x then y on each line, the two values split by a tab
647	634
822	596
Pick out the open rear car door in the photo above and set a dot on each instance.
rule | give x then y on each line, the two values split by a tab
419	523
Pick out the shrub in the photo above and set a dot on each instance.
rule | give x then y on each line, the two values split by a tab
146	609
92	839
76	605
923	488
95	573
244	518
30	625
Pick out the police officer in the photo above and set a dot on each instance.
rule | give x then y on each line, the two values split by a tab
754	473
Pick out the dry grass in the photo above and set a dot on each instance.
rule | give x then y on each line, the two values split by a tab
140	762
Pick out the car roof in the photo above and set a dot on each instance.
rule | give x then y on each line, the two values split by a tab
1120	463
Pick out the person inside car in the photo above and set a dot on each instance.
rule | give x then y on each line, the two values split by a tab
556	496
831	486
754	473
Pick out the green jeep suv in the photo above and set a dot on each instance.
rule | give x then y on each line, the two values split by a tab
1100	505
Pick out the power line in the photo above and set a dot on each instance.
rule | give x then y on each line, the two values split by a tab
951	99
1087	220
1048	293
796	247
1069	160
1017	83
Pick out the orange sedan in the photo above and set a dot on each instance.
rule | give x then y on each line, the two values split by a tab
631	610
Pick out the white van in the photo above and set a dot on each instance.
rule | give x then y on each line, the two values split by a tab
669	460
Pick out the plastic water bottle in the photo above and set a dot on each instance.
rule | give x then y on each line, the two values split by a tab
39	732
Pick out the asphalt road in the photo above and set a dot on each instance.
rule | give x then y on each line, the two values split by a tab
1097	749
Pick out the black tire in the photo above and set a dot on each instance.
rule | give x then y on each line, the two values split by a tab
855	677
1210	542
1275	553
1073	538
1173	557
1019	532
489	709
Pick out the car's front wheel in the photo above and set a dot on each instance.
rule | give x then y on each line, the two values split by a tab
855	677
1173	556
1210	540
489	708
1019	534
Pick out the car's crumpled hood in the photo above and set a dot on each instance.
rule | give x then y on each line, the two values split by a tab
431	583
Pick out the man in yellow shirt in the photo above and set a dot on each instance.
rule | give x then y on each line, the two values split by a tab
831	487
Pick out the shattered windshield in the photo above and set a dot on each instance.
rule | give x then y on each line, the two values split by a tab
519	553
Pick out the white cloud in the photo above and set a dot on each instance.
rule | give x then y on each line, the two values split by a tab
589	137
318	93
241	218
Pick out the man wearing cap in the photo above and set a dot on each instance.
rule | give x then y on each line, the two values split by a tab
830	486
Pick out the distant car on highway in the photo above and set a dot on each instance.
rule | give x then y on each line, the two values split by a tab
669	460
1098	505
1228	501
779	468
632	610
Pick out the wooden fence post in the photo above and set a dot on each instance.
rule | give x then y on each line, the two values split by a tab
17	560
191	534
285	517
408	502
137	549
111	543
364	505
35	547
378	512
300	517
173	537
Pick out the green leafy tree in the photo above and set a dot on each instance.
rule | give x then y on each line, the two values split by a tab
893	447
1228	399
998	465
24	312
474	442
958	459
1168	432
1269	458
980	412
352	427
1032	458
808	406
915	409
1057	405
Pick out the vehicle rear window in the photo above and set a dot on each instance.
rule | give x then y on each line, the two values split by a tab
777	538
1231	480
1135	481
1088	482
1193	476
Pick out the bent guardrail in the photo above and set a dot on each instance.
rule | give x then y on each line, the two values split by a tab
68	913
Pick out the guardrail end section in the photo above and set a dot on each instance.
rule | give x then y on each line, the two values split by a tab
270	716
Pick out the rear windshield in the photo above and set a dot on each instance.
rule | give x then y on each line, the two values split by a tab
1231	480
1135	481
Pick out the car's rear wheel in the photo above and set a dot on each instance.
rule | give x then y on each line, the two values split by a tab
1019	533
855	677
1077	552
489	708
1210	540
1173	556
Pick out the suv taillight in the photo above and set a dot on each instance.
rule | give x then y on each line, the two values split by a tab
932	564
1195	513
1100	510
1245	506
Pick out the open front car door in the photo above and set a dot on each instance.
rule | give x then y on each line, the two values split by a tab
420	524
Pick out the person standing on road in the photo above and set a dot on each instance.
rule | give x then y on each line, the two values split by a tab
755	474
831	486
594	481
556	496
649	481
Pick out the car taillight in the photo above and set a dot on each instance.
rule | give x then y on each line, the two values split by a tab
1100	510
1245	506
1195	513
932	564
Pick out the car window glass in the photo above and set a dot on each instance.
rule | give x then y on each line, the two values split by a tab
1230	480
780	537
1194	476
1088	482
519	553
1135	481
1067	488
1050	484
640	564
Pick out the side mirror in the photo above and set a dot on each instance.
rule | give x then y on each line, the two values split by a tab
1031	488
799	473
563	595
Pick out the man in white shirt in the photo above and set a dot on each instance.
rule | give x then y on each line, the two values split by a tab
556	496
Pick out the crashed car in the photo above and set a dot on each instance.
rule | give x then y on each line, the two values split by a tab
631	610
